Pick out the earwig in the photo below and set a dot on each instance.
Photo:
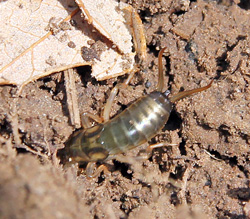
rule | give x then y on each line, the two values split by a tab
137	124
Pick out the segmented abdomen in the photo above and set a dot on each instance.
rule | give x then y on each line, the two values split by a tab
137	124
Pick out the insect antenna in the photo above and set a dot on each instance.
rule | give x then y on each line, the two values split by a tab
183	94
160	71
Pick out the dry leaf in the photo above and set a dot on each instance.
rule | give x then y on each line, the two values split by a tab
36	39
107	17
28	49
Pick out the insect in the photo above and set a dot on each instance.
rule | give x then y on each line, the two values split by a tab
136	125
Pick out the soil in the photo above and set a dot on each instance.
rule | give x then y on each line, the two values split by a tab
205	174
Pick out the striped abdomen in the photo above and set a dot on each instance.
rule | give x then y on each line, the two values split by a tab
137	124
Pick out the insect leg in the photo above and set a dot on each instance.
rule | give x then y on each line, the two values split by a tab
85	120
92	173
150	148
143	155
108	105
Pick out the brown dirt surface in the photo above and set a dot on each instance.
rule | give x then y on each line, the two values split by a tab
207	173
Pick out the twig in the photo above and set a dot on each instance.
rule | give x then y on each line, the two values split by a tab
72	98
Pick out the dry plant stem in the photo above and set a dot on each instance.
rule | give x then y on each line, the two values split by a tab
29	149
72	98
13	118
212	156
184	185
137	30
